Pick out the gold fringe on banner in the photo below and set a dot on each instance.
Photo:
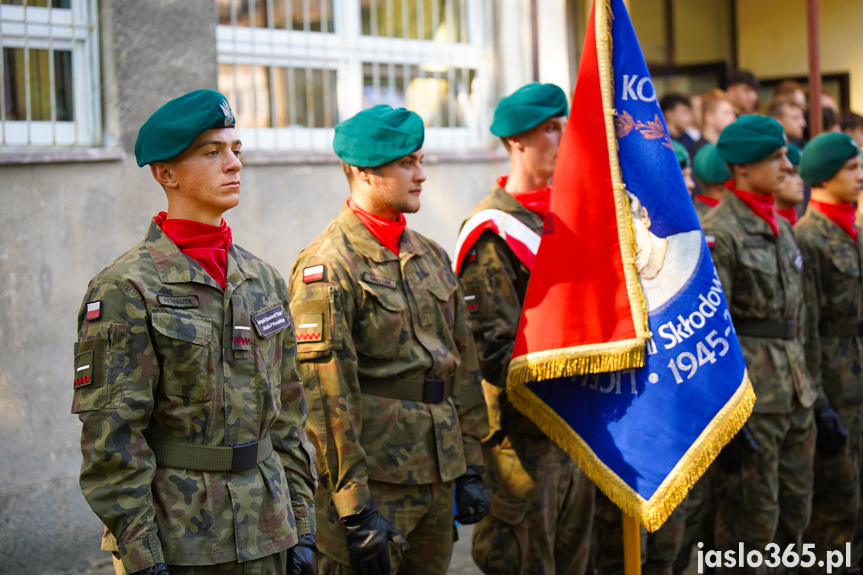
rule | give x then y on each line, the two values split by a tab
654	512
569	362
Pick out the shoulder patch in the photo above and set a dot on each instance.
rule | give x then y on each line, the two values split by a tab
711	241
378	280
309	327
94	310
313	274
187	301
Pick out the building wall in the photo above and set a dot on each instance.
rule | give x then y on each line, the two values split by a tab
772	39
63	222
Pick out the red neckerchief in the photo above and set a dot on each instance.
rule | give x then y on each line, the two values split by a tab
208	245
712	202
840	214
789	214
387	232
536	201
760	204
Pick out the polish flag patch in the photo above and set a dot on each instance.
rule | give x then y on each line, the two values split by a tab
94	310
313	274
711	241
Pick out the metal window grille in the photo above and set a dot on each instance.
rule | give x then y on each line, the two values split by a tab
292	69
49	75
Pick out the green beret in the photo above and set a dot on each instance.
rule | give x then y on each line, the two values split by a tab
682	154
824	156
709	167
750	139
527	107
377	136
173	127
794	154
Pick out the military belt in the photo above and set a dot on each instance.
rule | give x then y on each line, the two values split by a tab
428	390
208	458
840	328
782	329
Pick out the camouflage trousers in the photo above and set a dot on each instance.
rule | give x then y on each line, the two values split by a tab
769	500
658	550
541	510
271	565
700	521
275	564
423	514
836	496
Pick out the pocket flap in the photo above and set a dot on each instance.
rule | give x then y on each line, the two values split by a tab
182	325
844	258
442	290
389	299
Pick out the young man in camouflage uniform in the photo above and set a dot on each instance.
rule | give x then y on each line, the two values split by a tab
792	194
832	253
712	172
763	479
396	407
193	414
542	505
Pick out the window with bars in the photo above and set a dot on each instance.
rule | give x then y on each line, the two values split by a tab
292	69
49	88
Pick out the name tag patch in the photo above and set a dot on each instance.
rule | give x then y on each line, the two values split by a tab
313	274
272	321
186	301
378	280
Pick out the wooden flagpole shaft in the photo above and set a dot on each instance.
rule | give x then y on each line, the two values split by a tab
631	546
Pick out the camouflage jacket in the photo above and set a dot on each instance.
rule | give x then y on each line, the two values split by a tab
834	293
495	280
165	355
701	209
365	314
763	280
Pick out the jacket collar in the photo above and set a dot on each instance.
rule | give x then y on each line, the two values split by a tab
369	246
502	200
828	227
751	223
174	266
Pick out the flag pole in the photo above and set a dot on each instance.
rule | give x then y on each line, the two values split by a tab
631	529
631	546
813	21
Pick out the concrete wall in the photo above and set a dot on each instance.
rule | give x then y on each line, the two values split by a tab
63	222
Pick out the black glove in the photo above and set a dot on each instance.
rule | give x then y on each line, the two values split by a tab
471	497
743	442
368	535
157	569
831	433
303	557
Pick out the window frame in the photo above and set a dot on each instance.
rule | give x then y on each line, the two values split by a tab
345	51
73	29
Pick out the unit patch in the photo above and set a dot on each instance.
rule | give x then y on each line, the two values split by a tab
309	327
313	274
471	303
379	281
186	301
272	321
94	310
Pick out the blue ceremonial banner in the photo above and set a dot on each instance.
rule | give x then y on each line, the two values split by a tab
644	435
